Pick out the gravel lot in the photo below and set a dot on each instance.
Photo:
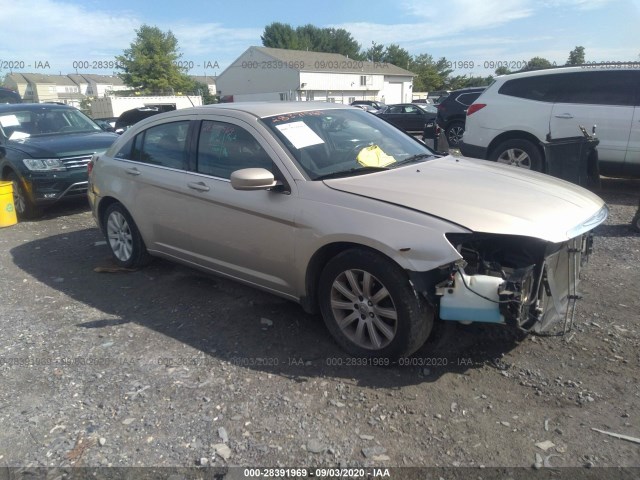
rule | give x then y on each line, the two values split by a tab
167	366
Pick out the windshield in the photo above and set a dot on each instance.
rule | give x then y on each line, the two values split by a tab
344	142
17	124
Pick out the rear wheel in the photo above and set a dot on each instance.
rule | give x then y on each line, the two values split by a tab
370	307
25	208
123	238
454	133
519	153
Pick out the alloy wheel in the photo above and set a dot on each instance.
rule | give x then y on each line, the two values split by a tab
363	309
516	157
120	236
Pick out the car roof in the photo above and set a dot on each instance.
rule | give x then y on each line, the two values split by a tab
595	67
8	107
263	109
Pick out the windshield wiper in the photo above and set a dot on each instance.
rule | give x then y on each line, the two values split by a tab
413	158
351	171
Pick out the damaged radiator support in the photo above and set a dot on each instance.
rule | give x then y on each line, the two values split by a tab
531	298
560	279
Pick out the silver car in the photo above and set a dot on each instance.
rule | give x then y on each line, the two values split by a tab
334	208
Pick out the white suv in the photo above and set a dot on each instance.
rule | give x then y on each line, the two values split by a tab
517	112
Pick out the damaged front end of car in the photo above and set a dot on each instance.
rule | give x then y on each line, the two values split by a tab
524	282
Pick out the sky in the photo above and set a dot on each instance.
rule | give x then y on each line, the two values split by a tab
65	36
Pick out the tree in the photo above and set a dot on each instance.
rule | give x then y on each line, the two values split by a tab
576	56
375	53
150	64
312	38
537	63
280	35
502	70
395	55
430	75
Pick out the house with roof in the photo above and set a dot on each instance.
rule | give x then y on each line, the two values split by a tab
268	74
208	80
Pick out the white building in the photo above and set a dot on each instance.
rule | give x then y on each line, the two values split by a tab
105	107
262	73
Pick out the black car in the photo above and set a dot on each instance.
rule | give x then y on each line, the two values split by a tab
411	117
44	151
133	116
452	112
9	96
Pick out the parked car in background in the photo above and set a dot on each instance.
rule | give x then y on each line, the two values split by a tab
371	103
133	116
517	112
336	209
9	96
452	112
437	96
422	101
44	151
411	117
367	108
108	124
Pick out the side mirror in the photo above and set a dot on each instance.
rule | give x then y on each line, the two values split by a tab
253	179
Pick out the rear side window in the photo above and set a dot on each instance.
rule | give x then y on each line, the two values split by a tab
164	145
467	99
599	88
543	88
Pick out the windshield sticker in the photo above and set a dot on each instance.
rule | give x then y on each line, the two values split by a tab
9	121
18	135
373	156
299	134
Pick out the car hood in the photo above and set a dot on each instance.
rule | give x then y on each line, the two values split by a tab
66	145
484	196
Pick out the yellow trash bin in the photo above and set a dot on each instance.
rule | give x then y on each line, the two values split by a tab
7	209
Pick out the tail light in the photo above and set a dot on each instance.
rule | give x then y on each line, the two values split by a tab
474	107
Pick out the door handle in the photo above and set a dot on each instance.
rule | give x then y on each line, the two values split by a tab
132	171
199	186
564	115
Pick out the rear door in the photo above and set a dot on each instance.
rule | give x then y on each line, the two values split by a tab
604	98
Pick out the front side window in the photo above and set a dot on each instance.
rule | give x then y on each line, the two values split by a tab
225	147
598	88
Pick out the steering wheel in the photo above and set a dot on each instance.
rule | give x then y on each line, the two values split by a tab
355	150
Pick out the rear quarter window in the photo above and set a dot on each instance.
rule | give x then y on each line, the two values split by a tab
543	88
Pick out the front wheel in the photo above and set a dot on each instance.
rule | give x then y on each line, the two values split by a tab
519	153
123	238
370	307
25	208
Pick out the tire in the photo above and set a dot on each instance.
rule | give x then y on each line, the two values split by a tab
520	153
635	223
374	324
25	208
123	238
454	133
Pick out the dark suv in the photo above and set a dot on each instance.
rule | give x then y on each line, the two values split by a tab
452	112
44	151
9	96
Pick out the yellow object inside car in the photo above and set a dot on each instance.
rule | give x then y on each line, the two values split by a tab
373	156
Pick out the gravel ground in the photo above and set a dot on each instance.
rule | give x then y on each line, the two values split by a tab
167	366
